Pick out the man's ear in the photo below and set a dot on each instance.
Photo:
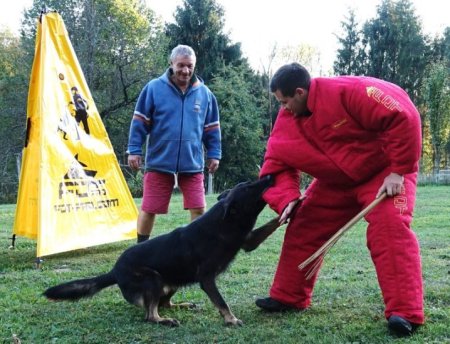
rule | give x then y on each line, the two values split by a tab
300	91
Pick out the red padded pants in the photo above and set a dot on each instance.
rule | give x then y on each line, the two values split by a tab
392	244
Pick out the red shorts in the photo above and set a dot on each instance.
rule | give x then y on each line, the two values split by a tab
158	189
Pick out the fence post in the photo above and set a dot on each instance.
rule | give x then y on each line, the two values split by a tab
18	164
210	184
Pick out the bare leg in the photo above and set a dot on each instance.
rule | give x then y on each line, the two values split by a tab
196	212
145	223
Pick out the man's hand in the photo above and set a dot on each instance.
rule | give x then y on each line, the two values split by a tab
392	185
134	161
288	210
212	165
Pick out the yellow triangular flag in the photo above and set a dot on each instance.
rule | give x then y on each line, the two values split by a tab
72	193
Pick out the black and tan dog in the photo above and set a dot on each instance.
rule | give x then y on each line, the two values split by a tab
149	273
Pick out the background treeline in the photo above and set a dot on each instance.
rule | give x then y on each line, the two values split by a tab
121	45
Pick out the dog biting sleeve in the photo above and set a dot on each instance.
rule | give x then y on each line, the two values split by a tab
286	187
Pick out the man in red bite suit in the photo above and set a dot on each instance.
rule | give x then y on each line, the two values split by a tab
358	137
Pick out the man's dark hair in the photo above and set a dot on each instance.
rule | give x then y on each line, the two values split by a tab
290	77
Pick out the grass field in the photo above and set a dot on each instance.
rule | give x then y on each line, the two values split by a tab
347	306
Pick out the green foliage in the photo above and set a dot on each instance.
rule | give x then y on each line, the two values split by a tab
350	57
436	91
440	47
200	24
13	91
241	125
347	305
445	44
395	46
135	182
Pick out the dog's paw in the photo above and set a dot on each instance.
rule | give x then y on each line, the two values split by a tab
185	305
233	322
169	322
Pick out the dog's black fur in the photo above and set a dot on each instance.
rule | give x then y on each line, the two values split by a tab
149	273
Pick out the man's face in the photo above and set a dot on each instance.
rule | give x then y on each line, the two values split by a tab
295	104
183	70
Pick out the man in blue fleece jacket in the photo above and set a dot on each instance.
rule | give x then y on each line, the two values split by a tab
177	116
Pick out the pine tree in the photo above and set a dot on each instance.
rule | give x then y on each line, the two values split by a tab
350	57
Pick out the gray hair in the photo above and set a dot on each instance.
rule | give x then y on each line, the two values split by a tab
182	50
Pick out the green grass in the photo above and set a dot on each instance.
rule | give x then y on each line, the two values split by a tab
347	306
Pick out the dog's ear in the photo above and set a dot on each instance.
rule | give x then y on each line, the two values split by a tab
228	209
223	194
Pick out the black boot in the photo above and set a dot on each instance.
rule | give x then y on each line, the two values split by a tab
400	326
271	305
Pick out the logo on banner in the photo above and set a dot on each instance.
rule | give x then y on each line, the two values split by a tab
80	190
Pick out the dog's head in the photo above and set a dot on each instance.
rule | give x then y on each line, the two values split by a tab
246	198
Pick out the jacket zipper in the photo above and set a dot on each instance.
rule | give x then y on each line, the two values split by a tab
181	132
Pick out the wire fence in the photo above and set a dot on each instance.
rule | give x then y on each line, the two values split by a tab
8	190
441	178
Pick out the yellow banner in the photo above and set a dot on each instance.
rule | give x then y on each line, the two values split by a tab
72	193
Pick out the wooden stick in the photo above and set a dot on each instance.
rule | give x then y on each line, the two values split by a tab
325	247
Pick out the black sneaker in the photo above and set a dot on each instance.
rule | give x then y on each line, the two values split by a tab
400	326
270	305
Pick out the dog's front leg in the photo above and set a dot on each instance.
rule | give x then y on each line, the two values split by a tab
209	286
258	235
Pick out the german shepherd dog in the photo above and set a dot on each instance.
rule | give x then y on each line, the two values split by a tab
149	273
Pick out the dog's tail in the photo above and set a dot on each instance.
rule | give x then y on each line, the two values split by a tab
78	289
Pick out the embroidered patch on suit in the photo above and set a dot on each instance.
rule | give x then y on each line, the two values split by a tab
382	98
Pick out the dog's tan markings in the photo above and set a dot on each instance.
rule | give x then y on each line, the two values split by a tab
170	304
16	340
139	301
153	316
167	290
167	293
230	319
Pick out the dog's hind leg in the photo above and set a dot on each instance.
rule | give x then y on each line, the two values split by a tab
167	303
151	289
153	316
208	284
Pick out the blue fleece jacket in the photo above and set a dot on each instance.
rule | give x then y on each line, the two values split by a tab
178	126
